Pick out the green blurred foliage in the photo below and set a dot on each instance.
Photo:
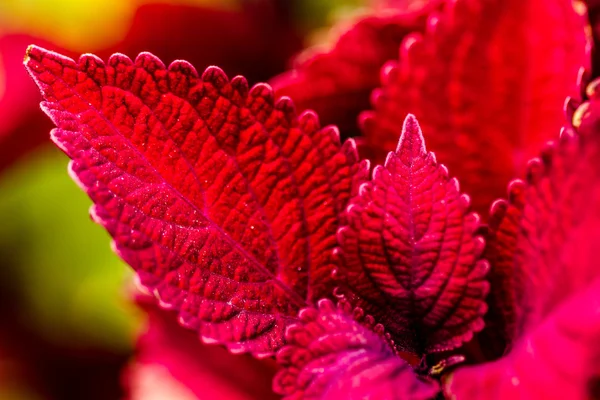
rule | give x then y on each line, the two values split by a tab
72	286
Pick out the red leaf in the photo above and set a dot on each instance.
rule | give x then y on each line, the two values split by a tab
556	276
409	251
225	202
488	79
337	82
332	356
558	360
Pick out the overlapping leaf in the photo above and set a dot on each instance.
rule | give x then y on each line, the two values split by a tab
488	79
501	243
332	356
224	202
337	83
557	280
409	252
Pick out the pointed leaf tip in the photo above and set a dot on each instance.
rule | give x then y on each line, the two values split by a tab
410	254
411	143
27	52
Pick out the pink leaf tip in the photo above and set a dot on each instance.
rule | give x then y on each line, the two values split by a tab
411	143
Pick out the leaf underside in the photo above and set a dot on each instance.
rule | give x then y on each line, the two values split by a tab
409	254
332	356
224	201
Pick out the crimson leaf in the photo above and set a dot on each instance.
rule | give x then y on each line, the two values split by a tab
224	201
488	79
409	253
331	355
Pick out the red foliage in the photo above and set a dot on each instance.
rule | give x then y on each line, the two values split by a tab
488	82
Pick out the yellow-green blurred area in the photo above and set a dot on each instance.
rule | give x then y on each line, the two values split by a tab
75	286
69	324
81	24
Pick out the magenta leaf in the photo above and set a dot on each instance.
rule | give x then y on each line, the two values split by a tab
557	360
224	201
561	215
332	356
556	276
409	253
488	79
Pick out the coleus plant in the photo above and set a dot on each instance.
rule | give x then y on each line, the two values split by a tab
270	236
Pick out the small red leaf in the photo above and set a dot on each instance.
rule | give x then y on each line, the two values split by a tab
332	356
488	79
223	200
409	251
337	83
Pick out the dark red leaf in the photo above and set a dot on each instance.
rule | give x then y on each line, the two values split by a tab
224	201
501	244
556	276
332	356
409	251
337	83
488	79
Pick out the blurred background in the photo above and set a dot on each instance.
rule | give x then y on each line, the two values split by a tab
68	323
